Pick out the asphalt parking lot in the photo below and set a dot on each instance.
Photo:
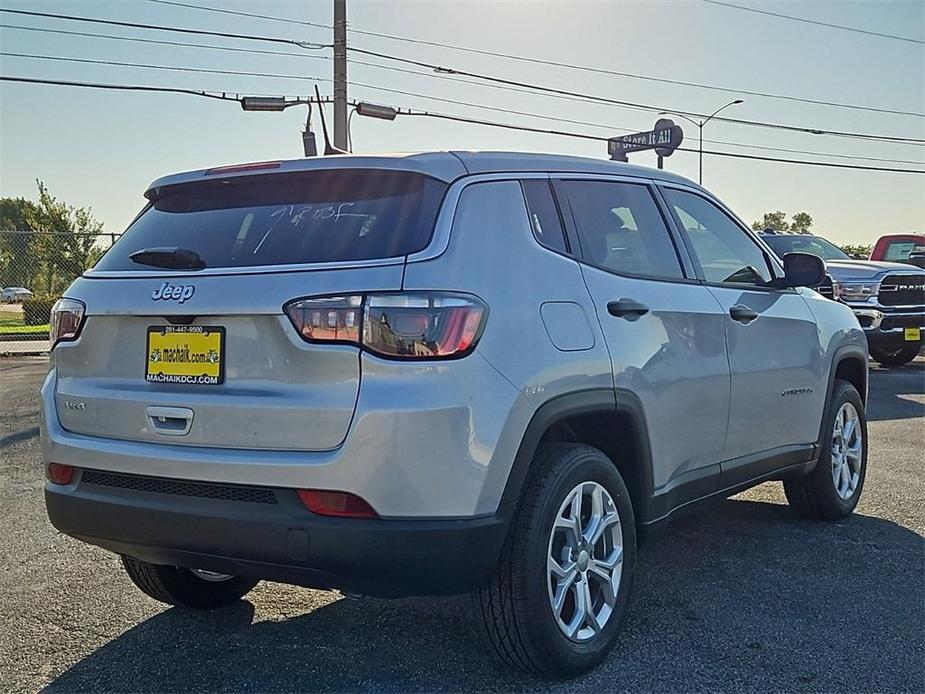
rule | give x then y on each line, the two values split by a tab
743	596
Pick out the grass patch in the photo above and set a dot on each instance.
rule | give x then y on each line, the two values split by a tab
13	325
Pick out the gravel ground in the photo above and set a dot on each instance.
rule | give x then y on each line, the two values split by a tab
742	596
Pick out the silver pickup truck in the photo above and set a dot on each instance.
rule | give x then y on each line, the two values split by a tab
887	298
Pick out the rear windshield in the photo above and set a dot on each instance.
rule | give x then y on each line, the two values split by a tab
318	217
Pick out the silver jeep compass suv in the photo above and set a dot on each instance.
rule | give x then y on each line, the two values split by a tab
440	373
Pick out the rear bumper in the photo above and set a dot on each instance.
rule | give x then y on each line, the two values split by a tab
278	539
423	442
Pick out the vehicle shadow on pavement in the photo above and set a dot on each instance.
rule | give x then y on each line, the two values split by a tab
897	393
742	596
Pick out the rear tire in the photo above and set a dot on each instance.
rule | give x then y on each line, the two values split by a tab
548	560
897	356
175	585
832	490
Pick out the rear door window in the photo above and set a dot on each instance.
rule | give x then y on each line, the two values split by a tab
316	217
621	228
544	215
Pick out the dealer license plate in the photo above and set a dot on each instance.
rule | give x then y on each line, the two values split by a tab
187	354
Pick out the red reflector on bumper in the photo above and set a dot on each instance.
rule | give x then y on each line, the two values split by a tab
59	474
340	504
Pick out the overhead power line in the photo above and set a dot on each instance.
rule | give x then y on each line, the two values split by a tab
814	21
158	27
629	104
310	78
119	87
239	13
430	75
497	109
733	155
170	68
461	119
274	75
553	63
161	42
487	78
208	93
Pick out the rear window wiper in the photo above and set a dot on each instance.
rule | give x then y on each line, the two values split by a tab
171	257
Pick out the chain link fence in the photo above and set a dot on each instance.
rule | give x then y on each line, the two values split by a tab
35	269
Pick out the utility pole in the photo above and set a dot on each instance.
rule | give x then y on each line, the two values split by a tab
340	74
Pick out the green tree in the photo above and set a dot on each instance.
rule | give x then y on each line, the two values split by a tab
857	250
66	244
772	220
802	221
777	221
17	250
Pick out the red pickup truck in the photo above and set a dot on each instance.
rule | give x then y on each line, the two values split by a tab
900	248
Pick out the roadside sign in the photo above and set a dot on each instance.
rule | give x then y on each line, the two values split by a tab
664	138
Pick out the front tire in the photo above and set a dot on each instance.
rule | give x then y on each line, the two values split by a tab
895	356
556	601
174	585
832	490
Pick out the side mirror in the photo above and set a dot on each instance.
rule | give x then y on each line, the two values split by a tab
803	270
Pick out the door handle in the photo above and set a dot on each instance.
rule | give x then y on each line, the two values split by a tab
627	308
743	314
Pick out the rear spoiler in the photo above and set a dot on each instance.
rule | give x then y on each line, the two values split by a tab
440	165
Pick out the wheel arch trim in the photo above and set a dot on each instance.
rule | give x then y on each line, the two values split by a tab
587	402
845	353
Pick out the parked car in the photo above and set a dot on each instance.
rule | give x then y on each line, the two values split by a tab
440	373
901	248
15	295
887	298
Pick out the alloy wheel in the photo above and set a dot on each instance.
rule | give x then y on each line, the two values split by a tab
584	561
847	448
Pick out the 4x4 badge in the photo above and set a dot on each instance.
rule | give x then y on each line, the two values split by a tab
173	292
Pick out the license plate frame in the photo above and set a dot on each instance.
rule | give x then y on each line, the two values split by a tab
202	342
912	334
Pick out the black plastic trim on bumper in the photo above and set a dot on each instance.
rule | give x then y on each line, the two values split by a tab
895	338
282	542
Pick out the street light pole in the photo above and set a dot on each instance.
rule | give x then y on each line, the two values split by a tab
700	125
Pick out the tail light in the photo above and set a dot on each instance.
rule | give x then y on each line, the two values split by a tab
340	504
67	317
408	325
59	473
331	319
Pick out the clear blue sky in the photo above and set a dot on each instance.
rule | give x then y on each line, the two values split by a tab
102	148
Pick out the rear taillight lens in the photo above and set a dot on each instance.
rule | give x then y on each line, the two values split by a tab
341	504
422	326
59	473
331	319
408	325
67	317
